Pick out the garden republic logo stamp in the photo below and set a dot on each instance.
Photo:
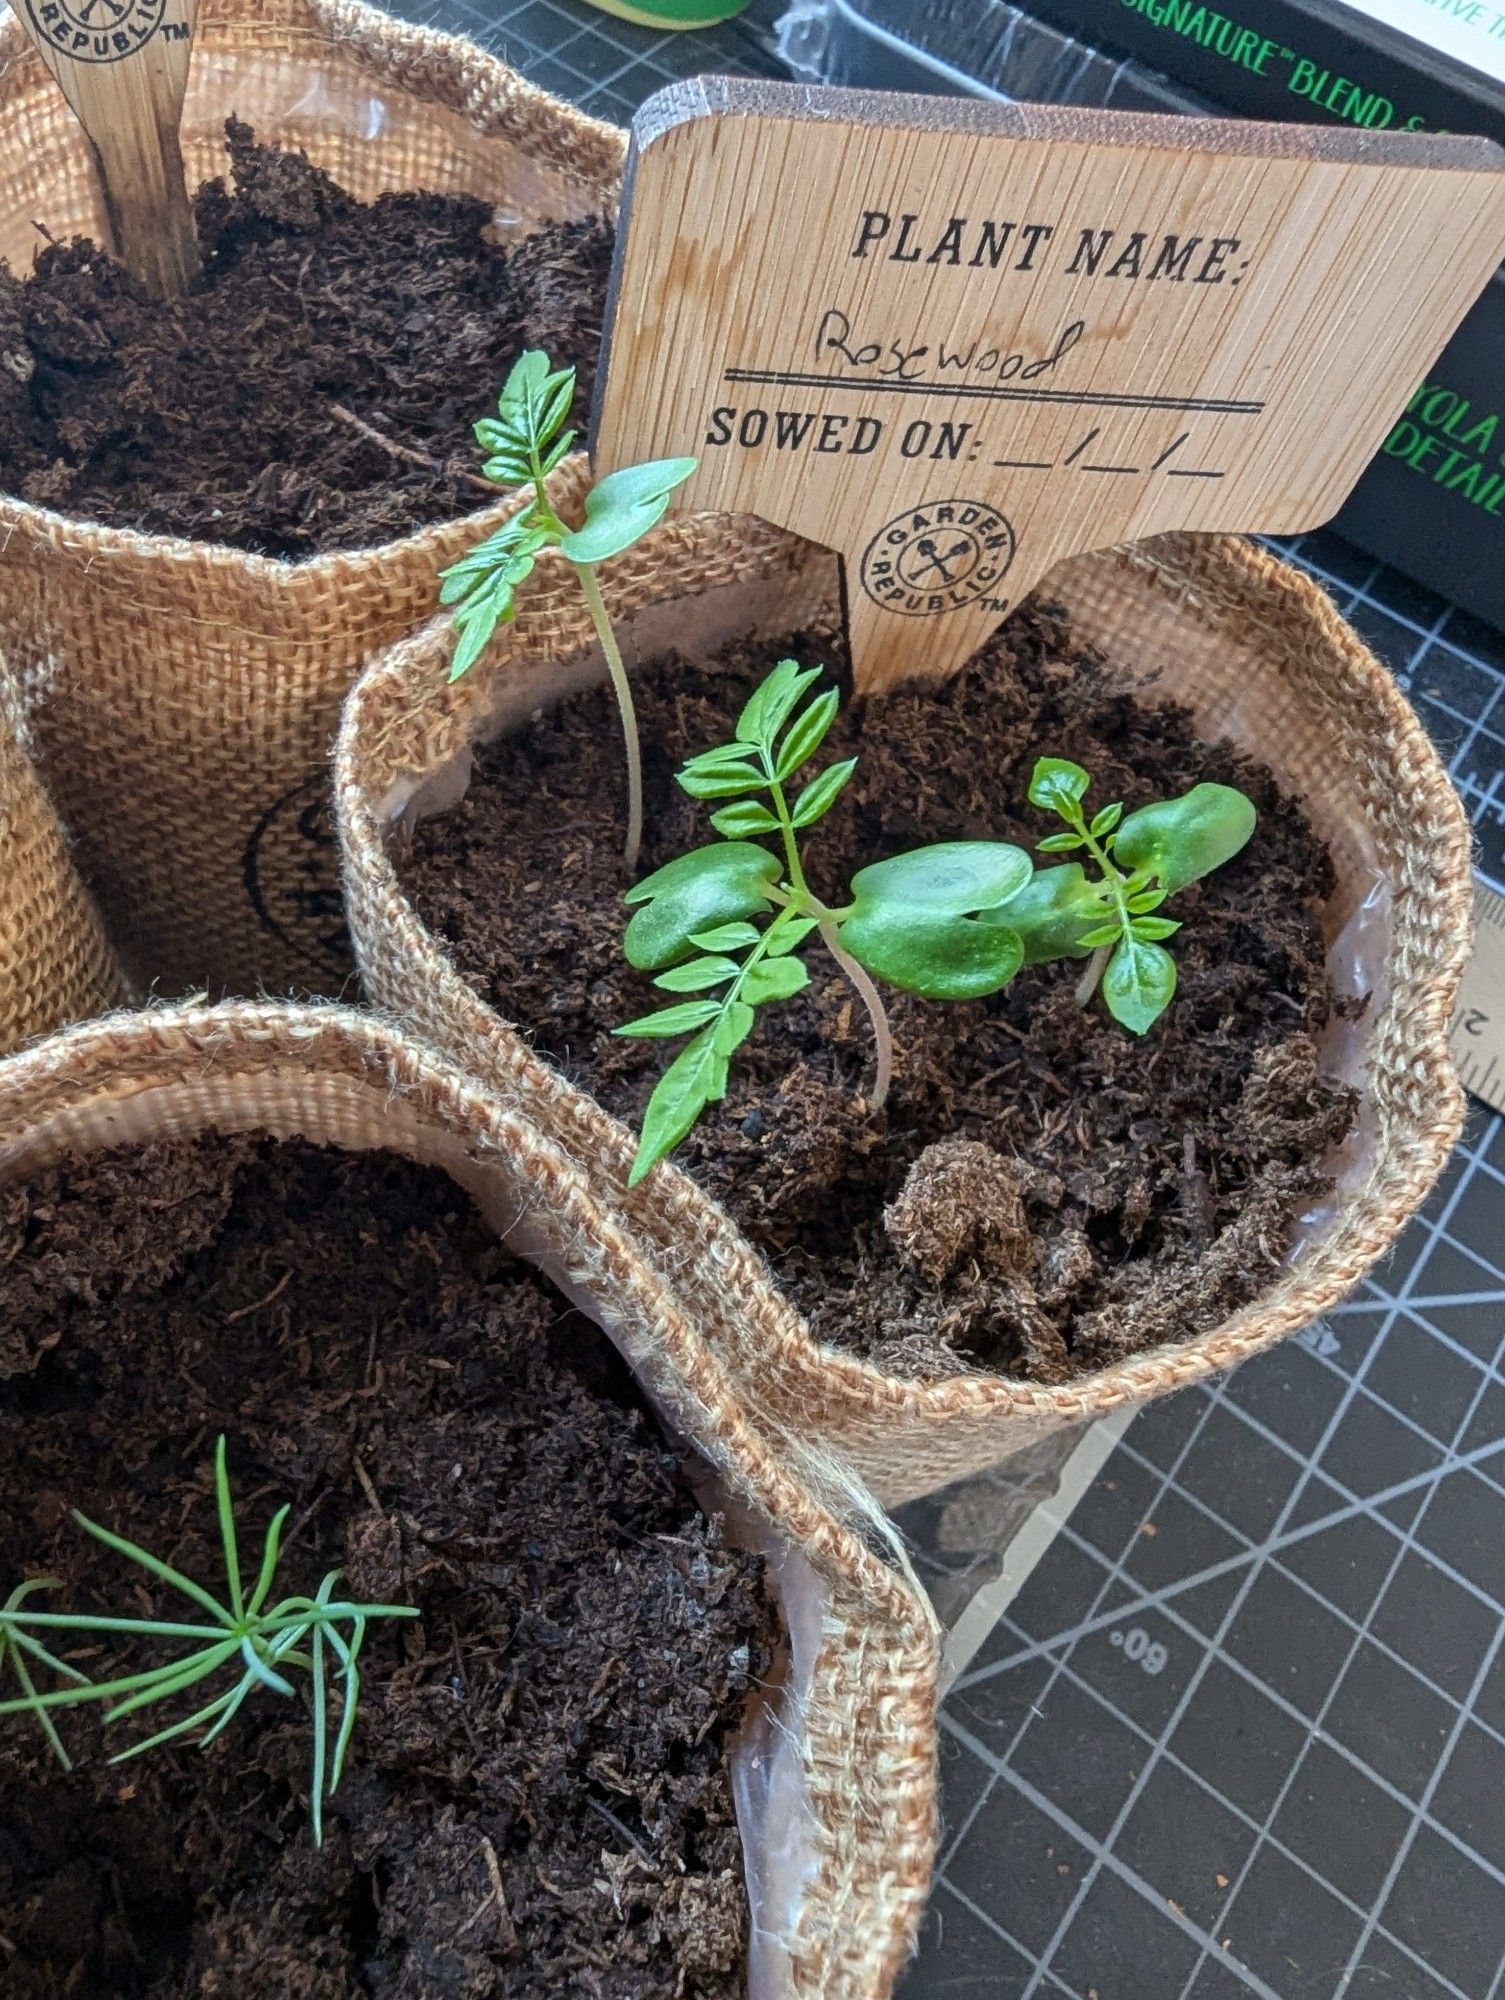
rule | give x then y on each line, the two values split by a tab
937	557
99	31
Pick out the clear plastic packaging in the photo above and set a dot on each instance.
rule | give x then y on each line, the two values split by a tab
974	48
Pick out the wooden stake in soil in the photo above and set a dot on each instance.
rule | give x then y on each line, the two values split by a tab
123	67
960	342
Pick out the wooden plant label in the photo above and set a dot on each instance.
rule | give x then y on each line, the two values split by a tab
123	67
959	342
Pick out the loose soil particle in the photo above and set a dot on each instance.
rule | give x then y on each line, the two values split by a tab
1044	1193
453	1436
214	416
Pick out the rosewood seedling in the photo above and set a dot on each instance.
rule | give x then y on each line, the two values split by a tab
523	443
1113	920
954	921
915	921
254	1640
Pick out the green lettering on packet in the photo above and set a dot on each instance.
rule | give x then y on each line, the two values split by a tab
1343	98
1443	437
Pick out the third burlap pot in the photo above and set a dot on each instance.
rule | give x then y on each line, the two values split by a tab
1259	656
834	1773
183	695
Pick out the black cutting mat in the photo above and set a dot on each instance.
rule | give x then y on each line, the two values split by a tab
1243	1730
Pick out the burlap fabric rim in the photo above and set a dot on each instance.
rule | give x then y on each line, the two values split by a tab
399	718
868	1755
429	66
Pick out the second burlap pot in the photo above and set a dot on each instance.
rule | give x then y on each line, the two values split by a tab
837	1796
1261	657
56	964
183	695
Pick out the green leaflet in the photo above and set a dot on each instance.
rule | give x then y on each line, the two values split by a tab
1180	840
696	1077
712	885
952	879
622	507
1138	984
1053	909
1057	782
940	958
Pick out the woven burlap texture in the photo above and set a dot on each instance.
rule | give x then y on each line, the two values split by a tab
184	696
56	965
1260	654
865	1722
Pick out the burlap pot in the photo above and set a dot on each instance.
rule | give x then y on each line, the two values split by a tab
1261	656
184	695
56	965
836	1786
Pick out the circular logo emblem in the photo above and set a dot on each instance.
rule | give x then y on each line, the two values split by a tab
291	869
937	556
97	31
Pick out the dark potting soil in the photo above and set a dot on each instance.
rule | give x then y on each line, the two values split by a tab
1044	1192
537	1802
214	416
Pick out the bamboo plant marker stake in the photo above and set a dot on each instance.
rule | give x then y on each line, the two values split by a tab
123	67
958	343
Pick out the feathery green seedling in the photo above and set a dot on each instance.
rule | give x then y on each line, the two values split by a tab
259	1641
1112	921
524	442
914	921
18	1649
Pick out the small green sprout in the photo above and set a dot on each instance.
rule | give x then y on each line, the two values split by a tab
18	1649
524	442
1112	921
926	922
255	1639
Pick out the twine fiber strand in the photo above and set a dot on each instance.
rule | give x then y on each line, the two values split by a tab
183	696
1262	657
866	1723
56	964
